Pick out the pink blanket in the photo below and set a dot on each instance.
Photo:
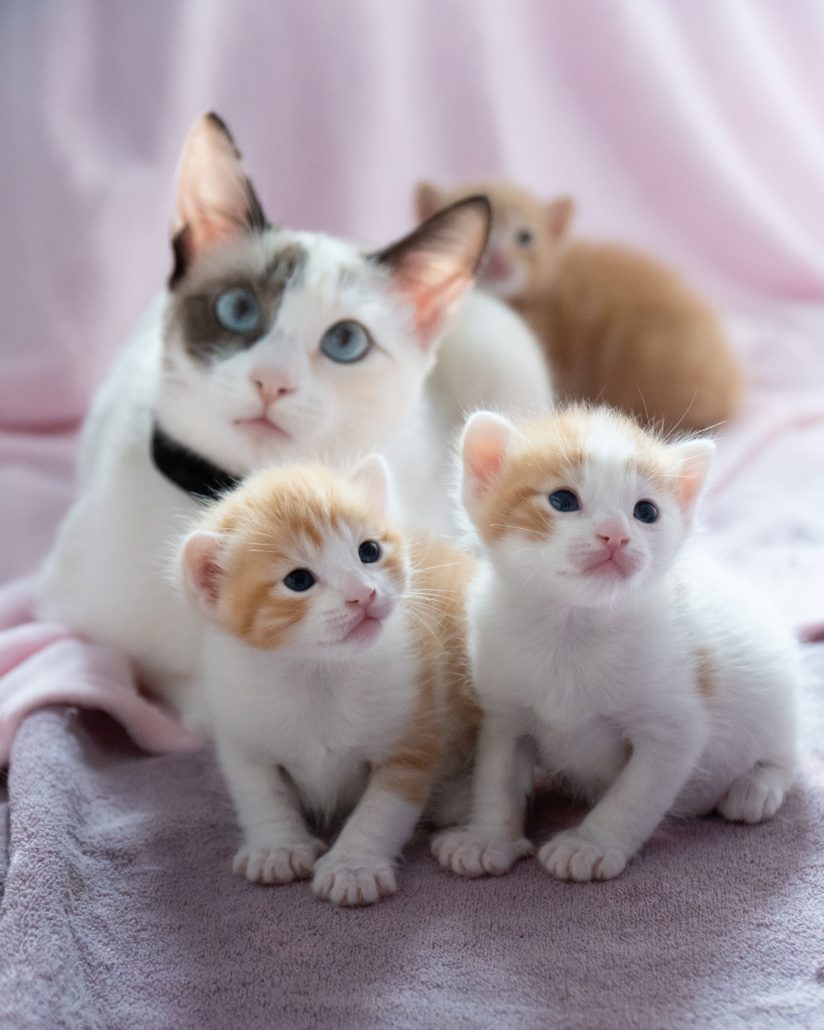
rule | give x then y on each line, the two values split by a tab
690	129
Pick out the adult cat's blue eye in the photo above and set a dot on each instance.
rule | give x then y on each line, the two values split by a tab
369	551
237	310
564	500
346	342
645	511
299	580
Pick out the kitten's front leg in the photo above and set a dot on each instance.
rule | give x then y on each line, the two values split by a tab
359	868
493	841
277	847
626	816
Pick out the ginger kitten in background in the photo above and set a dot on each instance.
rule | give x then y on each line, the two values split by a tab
335	672
605	643
618	327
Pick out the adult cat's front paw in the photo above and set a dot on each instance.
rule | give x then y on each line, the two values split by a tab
473	853
278	863
349	880
572	856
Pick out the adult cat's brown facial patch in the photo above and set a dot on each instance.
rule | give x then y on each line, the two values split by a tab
259	267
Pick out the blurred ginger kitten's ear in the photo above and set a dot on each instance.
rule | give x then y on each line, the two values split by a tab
559	215
215	198
433	265
486	438
428	200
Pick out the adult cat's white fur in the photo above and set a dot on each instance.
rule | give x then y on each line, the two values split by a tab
242	403
611	647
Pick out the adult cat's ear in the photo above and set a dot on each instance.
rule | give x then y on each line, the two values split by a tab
201	561
428	200
433	265
484	444
694	458
372	475
215	199
559	215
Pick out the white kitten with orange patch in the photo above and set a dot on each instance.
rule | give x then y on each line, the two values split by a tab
336	674
604	643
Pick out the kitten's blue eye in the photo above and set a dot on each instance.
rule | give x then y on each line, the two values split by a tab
369	551
346	342
299	580
564	500
237	310
645	511
525	238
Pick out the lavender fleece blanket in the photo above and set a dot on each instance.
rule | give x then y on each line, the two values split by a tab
120	910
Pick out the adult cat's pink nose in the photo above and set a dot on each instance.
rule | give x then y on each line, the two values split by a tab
271	384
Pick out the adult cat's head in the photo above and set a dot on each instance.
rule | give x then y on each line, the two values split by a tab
281	345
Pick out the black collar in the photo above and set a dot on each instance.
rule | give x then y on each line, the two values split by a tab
188	470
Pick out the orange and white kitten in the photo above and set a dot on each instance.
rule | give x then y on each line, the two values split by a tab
618	327
604	641
335	671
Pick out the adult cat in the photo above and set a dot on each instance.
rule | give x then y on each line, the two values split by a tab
269	346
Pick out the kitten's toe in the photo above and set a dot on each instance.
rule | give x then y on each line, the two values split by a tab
469	853
755	796
278	863
350	883
569	856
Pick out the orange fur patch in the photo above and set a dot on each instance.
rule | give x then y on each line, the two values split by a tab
441	737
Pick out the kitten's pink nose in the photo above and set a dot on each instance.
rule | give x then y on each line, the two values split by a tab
613	534
271	384
361	595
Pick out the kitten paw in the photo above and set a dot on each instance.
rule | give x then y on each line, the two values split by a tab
358	882
281	863
470	853
571	856
755	796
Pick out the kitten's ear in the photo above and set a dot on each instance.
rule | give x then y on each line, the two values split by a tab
201	560
558	216
215	199
428	200
486	438
433	265
372	475
694	458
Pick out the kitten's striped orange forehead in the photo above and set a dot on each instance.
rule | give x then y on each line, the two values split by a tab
546	452
281	506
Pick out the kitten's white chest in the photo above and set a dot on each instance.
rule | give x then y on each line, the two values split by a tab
323	726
